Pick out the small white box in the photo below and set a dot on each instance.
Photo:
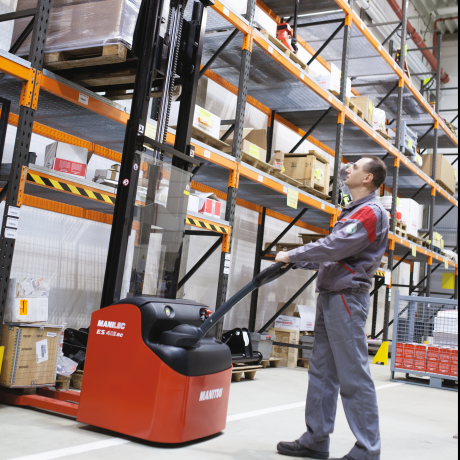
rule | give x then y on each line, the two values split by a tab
66	158
380	120
193	203
411	215
307	317
26	310
28	288
290	323
209	205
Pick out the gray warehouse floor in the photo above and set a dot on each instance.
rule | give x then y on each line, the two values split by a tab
416	423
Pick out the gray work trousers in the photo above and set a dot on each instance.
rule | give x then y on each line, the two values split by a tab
340	361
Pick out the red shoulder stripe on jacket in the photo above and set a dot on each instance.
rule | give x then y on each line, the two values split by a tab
367	217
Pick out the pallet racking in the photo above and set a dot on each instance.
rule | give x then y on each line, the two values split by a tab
243	61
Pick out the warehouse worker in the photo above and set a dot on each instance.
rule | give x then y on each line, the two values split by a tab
347	261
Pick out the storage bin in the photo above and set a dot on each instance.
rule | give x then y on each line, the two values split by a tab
307	341
263	343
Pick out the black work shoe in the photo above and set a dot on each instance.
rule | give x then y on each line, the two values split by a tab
347	457
295	449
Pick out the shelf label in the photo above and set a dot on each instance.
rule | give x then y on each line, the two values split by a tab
11	233
330	98
270	50
226	270
354	119
83	98
226	11
207	154
285	190
228	257
292	198
388	278
12	222
323	207
414	250
380	48
227	264
14	211
151	131
302	76
260	178
446	264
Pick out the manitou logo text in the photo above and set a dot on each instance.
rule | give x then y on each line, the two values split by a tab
213	394
111	324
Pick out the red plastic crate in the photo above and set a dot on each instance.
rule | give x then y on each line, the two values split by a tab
421	353
454	364
445	356
399	358
433	360
409	357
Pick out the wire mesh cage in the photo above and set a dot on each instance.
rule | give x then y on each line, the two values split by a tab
425	340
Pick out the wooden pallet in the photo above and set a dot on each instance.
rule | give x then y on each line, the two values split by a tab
249	372
281	46
415	239
279	175
385	136
296	59
314	192
283	247
87	57
287	356
307	238
77	380
259	164
401	225
272	362
303	363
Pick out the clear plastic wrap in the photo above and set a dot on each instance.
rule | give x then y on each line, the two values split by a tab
65	366
82	24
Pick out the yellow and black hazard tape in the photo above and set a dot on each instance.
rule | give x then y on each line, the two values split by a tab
207	225
381	273
65	187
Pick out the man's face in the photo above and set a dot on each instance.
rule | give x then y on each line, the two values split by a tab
357	176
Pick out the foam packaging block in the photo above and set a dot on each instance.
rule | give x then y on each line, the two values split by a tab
26	310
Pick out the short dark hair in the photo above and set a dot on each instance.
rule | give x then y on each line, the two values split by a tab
378	169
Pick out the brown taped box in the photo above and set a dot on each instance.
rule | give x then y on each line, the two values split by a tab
445	172
277	160
253	139
21	368
367	107
311	169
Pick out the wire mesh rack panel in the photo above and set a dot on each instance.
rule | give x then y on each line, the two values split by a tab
425	341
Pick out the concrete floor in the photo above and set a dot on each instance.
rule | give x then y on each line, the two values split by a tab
416	423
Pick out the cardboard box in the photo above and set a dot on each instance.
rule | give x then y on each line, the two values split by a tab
193	203
289	311
277	160
367	106
445	172
66	158
411	215
399	358
311	169
28	287
432	365
31	353
409	357
202	119
307	315
254	143
288	323
331	82
209	205
421	353
454	364
109	174
26	310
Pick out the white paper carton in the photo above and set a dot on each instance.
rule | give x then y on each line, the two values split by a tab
26	310
66	158
380	120
411	215
209	205
194	203
307	318
28	288
290	323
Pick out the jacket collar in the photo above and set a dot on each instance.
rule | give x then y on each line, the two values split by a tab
360	202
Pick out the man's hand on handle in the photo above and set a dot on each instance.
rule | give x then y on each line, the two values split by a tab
283	257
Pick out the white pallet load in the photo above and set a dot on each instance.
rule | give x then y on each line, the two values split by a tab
445	331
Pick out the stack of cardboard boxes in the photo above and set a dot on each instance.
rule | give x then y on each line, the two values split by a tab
32	346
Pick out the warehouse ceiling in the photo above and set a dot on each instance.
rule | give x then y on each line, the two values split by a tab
440	13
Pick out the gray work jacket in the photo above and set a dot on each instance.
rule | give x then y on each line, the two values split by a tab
350	256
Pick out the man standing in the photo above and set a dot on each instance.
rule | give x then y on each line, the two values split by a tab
347	261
